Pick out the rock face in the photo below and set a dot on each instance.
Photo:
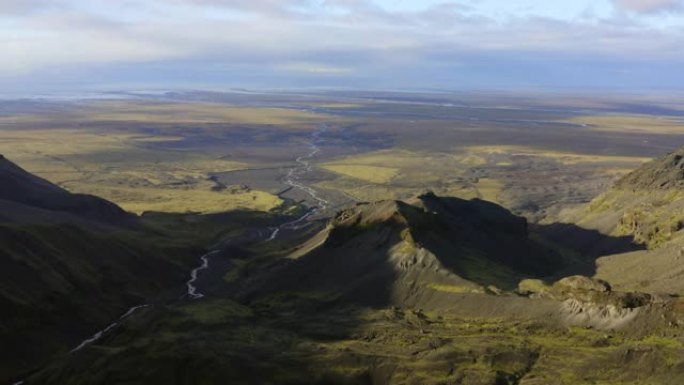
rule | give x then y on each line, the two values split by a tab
588	302
646	208
604	317
580	282
394	252
584	289
653	216
666	172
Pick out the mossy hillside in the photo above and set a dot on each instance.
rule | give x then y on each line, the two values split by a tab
62	283
219	340
646	204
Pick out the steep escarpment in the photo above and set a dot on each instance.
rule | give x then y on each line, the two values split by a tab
394	252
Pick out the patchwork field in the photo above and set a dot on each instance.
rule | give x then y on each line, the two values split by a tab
219	152
146	156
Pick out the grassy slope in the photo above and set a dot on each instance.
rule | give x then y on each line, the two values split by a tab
313	338
645	207
305	341
61	283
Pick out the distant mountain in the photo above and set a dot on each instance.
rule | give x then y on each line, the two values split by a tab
394	252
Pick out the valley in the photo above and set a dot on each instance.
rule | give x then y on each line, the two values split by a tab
342	238
341	192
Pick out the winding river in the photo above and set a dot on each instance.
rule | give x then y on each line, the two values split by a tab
293	179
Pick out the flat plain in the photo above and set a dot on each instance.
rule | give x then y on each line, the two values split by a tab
212	152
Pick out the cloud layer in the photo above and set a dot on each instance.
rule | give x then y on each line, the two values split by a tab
331	43
651	6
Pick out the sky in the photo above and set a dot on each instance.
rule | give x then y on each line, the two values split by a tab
63	45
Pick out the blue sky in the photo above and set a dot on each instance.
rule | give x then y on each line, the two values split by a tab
61	45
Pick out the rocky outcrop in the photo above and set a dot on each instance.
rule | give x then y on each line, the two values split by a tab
598	316
588	302
666	172
577	283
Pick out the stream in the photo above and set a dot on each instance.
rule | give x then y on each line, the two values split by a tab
293	179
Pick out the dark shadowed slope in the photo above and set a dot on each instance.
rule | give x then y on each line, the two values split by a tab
21	187
69	264
392	293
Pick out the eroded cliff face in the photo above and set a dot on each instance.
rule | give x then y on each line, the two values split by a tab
590	302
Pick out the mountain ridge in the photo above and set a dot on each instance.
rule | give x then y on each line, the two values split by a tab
21	187
665	172
394	252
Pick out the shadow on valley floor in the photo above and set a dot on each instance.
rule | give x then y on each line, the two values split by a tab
581	247
487	244
343	311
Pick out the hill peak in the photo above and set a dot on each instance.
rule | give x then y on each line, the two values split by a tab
405	251
393	212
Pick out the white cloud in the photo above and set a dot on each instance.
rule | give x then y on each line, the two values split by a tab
8	7
316	68
315	37
650	6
